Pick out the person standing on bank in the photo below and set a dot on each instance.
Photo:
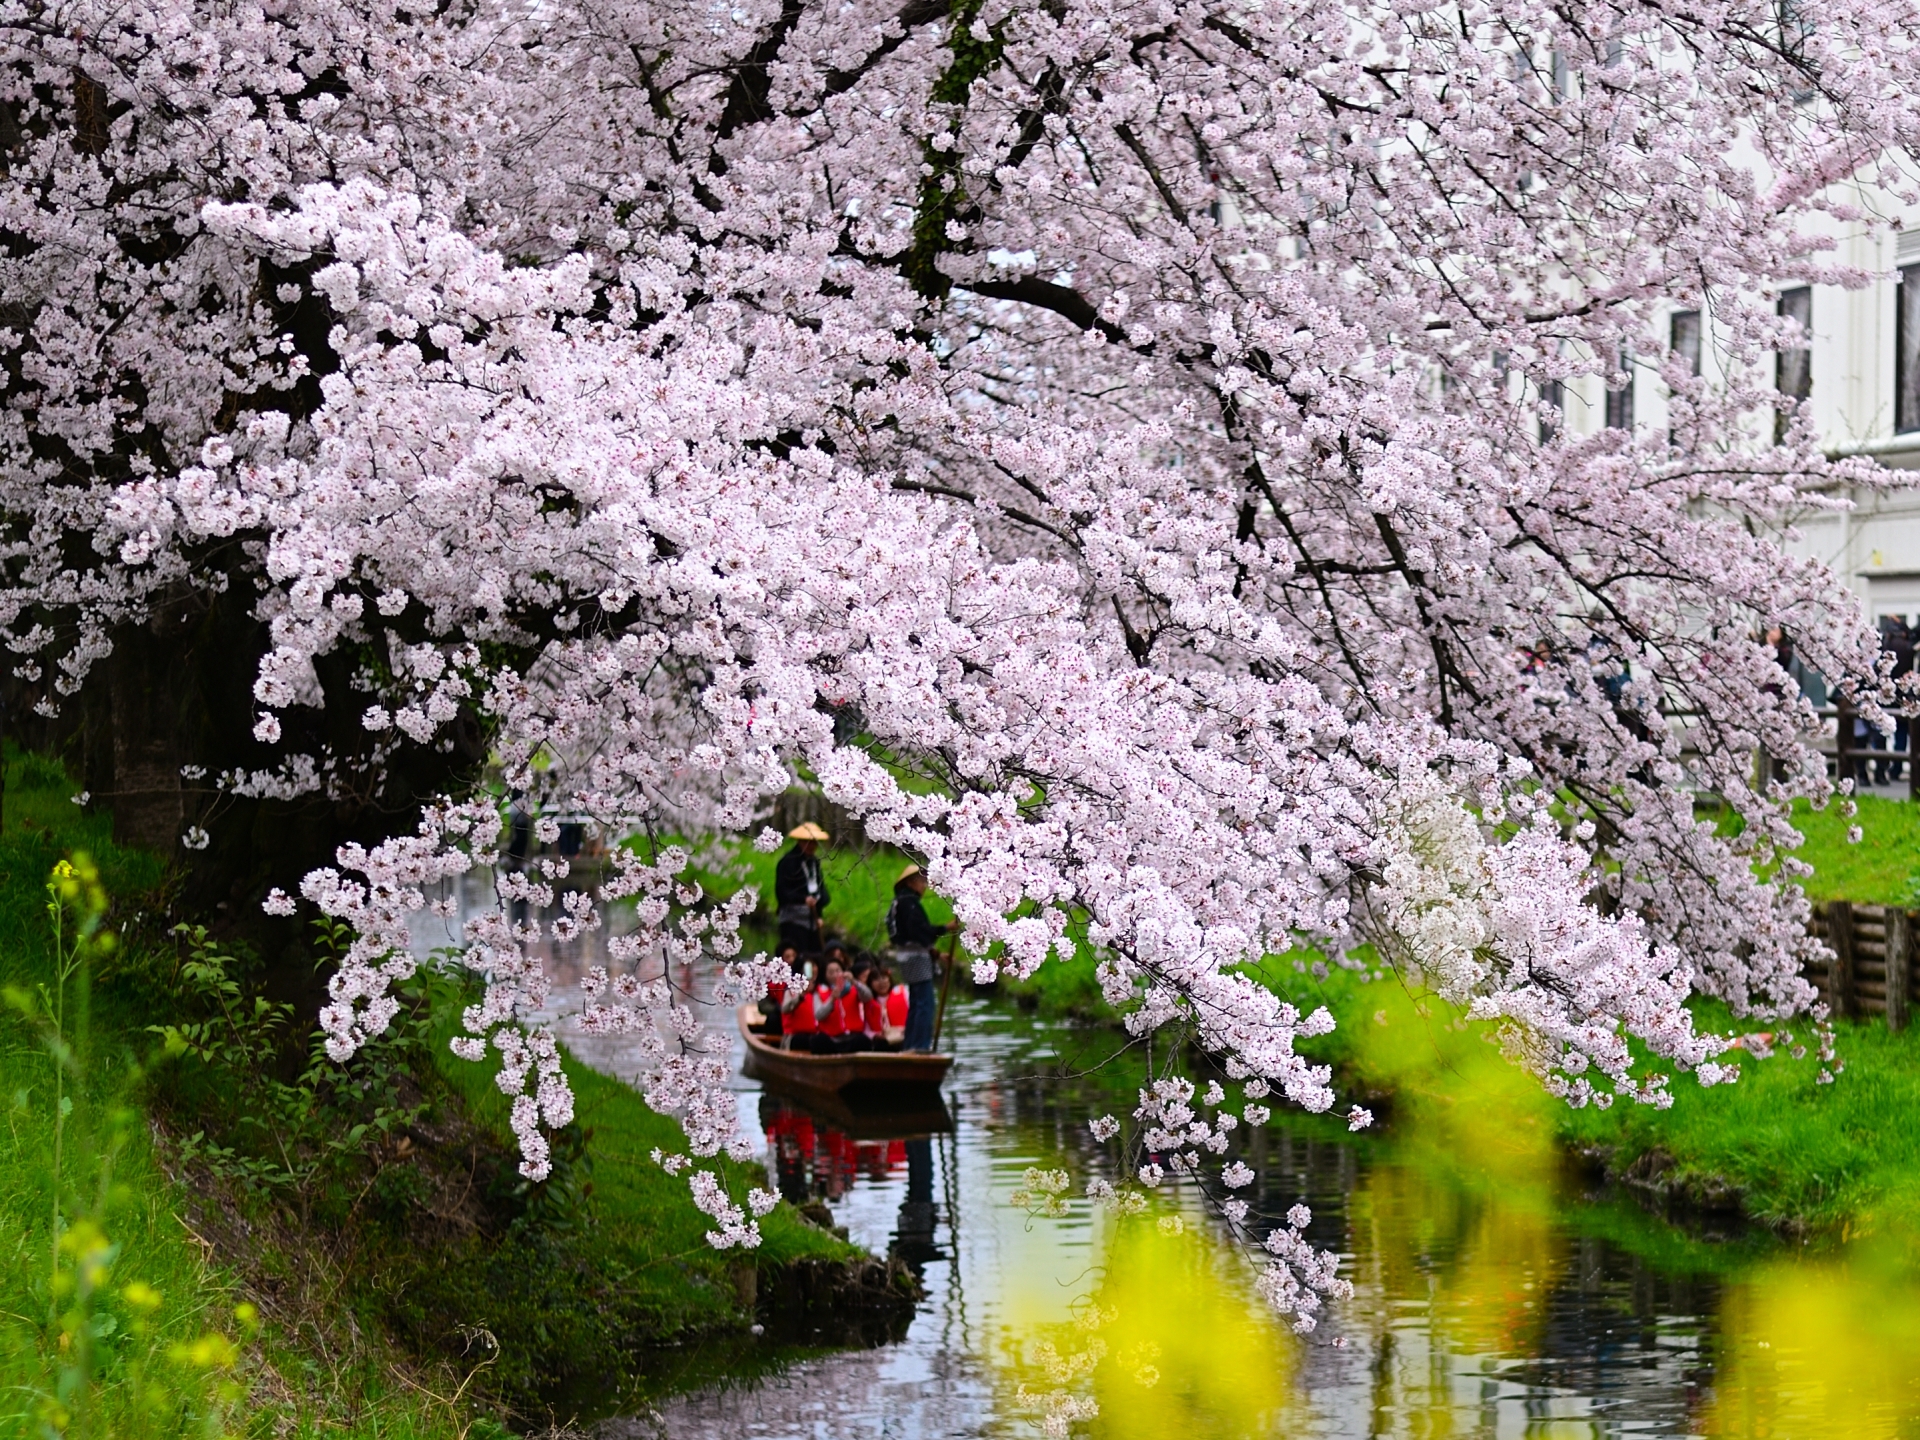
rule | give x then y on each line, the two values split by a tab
800	890
914	937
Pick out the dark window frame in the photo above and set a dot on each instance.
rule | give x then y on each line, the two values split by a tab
1906	351
1793	369
1620	401
1692	349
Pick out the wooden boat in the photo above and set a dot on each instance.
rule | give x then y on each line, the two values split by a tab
877	1078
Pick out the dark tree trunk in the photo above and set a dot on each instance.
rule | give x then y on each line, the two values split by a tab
143	699
161	720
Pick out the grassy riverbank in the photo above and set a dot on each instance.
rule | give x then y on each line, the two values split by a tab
1786	1149
1883	869
262	1246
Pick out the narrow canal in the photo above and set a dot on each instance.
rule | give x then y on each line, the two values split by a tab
1498	1292
1500	1296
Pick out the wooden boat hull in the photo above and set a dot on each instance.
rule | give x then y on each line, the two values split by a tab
869	1080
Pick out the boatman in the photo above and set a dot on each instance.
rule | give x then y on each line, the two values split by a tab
800	890
914	937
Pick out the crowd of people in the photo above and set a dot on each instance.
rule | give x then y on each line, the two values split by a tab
1872	756
848	1002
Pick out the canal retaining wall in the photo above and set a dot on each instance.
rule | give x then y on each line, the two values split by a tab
1871	972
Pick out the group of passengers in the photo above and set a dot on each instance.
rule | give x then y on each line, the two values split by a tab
848	1005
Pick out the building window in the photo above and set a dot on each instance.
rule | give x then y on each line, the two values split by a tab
1793	369
1683	334
1553	405
1906	350
1620	402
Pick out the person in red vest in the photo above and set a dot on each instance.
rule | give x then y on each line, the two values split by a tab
886	1012
838	1004
797	1021
774	1007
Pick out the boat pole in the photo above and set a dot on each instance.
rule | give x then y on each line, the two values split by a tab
946	984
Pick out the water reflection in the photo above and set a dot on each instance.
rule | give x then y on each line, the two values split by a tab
1822	1352
1479	1310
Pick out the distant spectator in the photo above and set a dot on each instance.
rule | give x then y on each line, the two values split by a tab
1897	641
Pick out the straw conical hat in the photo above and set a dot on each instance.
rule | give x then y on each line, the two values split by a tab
907	874
808	831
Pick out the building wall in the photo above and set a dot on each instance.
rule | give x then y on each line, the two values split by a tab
1874	548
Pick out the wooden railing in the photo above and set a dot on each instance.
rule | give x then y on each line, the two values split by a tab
1844	748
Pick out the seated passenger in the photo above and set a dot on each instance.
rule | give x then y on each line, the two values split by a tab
796	1011
773	1004
886	1013
839	1023
897	1003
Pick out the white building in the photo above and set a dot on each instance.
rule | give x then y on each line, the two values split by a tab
1861	379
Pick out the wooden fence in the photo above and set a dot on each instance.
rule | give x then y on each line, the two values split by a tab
1847	755
1873	960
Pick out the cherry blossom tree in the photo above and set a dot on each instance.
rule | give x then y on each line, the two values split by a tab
1145	421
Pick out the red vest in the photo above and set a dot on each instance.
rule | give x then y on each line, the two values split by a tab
836	1018
853	1018
897	1007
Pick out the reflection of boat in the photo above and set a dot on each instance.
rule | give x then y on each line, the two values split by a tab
905	1115
870	1081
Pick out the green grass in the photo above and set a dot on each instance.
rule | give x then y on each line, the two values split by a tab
1883	869
142	1384
1842	1158
373	1302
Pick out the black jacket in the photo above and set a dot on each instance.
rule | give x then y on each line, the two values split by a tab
907	923
790	880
